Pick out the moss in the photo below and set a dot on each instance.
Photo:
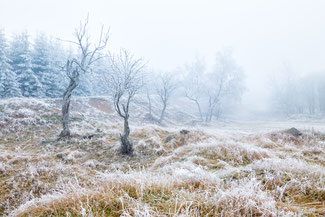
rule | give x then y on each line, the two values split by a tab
52	119
76	119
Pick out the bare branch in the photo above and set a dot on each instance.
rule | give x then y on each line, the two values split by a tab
164	91
124	79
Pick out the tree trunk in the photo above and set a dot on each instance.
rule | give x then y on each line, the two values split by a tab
162	115
149	103
66	108
199	108
208	116
196	101
126	127
126	143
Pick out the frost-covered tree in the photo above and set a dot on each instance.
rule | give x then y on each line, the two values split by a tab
321	93
98	84
166	87
40	56
29	83
149	86
293	94
286	96
8	82
216	89
85	87
224	84
194	83
40	61
88	54
124	80
2	87
47	58
55	79
309	93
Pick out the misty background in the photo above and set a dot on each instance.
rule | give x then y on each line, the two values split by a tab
276	43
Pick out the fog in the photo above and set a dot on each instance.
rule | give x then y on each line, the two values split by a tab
162	108
263	36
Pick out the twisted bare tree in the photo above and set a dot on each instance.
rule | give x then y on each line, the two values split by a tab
124	79
164	91
88	53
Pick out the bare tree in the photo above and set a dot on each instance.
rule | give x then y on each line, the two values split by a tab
212	90
286	95
149	102
223	83
309	86
125	79
321	93
149	116
164	91
148	86
194	83
88	54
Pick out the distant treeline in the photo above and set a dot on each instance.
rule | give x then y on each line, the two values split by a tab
294	95
33	68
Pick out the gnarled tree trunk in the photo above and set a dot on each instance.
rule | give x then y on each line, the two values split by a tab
66	106
126	143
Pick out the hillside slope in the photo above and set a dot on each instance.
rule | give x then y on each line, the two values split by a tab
231	170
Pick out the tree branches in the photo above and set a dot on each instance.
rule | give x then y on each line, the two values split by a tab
125	79
164	91
212	90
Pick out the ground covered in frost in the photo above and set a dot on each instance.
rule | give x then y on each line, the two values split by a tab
240	169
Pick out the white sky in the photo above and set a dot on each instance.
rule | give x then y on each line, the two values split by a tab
169	33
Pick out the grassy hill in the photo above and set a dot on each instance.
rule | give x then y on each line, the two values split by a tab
239	169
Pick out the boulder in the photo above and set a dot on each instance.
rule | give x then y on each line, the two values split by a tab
184	132
294	132
169	138
60	156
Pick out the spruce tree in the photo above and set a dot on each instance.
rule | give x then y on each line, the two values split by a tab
8	83
21	62
40	61
47	59
55	79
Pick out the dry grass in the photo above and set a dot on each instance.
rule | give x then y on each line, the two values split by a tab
198	174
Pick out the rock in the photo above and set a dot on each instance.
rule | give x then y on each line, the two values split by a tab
88	137
60	156
294	132
160	151
169	138
184	132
